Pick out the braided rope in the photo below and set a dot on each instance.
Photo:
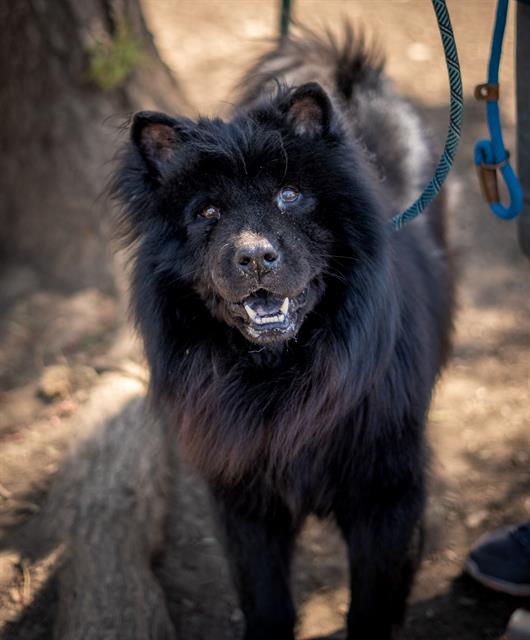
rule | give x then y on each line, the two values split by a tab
455	120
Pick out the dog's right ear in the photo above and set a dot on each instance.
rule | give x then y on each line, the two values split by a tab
309	110
156	137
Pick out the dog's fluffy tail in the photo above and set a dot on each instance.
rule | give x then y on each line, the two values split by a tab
339	62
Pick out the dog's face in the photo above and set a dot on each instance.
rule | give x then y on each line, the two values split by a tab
248	209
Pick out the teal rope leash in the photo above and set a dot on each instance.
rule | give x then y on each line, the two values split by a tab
455	119
491	155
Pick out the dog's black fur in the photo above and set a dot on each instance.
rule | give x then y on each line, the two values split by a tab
322	411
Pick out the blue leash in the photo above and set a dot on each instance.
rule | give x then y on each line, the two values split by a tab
455	119
491	155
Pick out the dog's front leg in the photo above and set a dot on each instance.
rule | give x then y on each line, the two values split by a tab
382	559
259	549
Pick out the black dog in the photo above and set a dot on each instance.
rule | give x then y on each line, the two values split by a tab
293	337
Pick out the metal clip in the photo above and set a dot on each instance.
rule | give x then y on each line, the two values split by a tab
487	91
487	175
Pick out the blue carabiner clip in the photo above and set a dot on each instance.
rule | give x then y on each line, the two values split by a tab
491	155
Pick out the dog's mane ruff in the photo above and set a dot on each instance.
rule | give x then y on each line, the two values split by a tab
236	409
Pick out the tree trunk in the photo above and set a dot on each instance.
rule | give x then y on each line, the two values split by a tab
70	73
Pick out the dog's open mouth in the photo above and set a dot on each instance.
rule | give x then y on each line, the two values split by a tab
266	313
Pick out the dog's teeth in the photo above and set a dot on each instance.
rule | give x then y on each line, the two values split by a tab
285	306
268	319
250	311
280	317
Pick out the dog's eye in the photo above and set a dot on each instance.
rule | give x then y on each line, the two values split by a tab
211	211
289	195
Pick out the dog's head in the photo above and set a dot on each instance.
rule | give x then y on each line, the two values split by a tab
256	215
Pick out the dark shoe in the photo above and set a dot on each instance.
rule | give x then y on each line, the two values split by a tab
519	626
501	561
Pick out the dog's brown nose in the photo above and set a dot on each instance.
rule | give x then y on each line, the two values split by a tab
257	257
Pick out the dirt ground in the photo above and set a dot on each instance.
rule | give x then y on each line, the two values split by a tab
57	347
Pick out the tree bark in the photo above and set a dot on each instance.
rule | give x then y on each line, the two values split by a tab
60	128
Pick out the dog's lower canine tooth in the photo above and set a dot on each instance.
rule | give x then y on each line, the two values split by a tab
250	311
285	306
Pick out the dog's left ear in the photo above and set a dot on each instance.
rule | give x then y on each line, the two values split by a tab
310	110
